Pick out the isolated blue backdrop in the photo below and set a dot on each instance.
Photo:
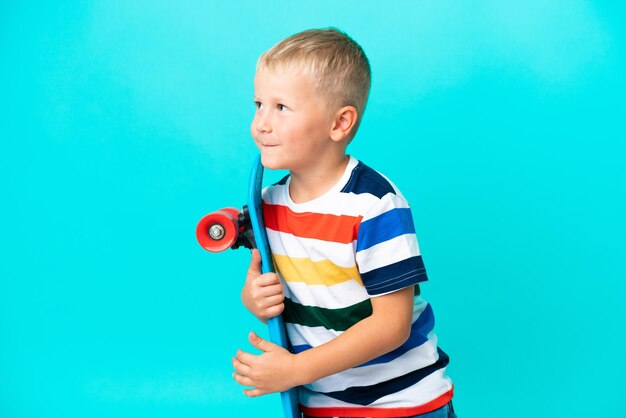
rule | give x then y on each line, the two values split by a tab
123	122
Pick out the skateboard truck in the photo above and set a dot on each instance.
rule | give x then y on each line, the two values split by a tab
226	228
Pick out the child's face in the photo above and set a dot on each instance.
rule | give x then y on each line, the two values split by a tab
292	123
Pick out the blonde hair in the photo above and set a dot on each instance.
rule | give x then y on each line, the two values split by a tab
334	61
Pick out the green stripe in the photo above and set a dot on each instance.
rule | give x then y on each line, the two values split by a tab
336	319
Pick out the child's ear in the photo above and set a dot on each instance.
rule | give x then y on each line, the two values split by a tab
344	122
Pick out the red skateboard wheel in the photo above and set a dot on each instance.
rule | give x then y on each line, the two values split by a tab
218	231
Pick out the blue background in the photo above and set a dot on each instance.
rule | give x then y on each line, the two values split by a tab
123	122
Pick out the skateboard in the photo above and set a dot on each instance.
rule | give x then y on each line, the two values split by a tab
234	228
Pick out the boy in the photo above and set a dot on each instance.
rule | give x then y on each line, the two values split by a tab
344	245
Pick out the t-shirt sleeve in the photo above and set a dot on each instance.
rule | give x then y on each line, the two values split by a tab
387	252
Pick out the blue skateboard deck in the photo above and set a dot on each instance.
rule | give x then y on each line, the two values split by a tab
231	228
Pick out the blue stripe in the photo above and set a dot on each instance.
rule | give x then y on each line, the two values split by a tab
424	324
366	395
282	181
366	180
395	276
300	348
384	227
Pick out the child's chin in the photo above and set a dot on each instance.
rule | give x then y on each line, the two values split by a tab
271	163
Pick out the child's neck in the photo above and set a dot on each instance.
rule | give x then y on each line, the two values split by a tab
310	184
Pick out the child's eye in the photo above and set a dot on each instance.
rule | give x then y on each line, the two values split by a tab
258	105
281	107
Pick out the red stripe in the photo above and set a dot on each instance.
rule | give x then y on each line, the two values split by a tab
326	227
380	412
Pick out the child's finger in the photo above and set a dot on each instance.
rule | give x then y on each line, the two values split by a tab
260	343
273	290
273	301
255	263
275	310
240	368
245	358
267	279
253	393
242	380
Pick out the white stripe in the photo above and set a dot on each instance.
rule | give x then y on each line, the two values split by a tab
385	204
424	391
387	252
337	296
341	255
316	400
348	204
429	388
313	336
417	358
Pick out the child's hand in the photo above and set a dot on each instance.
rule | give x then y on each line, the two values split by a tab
262	294
271	371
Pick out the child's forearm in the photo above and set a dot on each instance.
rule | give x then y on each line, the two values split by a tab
385	330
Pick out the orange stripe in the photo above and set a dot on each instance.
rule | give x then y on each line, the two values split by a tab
380	412
335	228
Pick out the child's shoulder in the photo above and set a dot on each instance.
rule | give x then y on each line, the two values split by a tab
365	179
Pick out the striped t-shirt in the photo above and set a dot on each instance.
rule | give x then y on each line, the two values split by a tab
335	253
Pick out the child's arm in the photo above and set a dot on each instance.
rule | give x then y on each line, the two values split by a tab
277	370
262	294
